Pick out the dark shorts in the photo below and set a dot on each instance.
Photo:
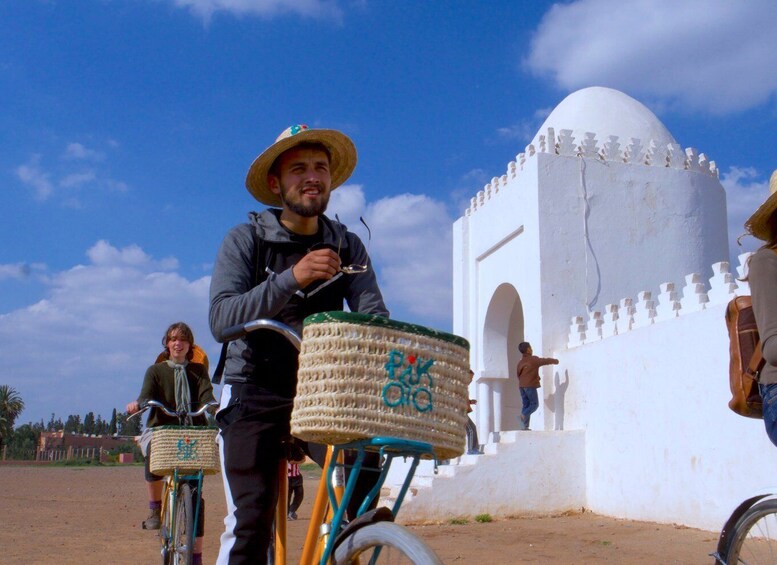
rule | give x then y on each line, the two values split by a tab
150	477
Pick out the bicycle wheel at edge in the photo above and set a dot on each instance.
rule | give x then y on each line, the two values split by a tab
182	543
754	539
398	546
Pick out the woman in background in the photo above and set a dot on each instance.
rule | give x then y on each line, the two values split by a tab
178	383
762	276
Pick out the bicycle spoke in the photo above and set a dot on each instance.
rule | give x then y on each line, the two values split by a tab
755	538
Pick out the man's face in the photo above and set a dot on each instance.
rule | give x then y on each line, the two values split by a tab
303	181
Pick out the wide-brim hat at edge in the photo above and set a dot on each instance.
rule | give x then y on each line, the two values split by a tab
342	154
758	223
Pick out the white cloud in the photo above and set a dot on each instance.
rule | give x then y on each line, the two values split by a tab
36	178
78	151
710	56
77	179
525	129
744	194
411	251
104	254
116	185
205	9
412	246
520	131
86	344
14	271
65	180
348	202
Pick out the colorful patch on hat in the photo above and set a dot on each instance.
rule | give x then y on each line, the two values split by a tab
298	128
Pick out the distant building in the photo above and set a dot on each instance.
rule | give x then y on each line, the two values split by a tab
62	441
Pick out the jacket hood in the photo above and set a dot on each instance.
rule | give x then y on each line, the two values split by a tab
268	227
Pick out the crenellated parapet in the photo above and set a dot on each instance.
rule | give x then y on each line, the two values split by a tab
695	295
612	149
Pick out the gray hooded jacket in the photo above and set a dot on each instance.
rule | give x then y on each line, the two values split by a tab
252	279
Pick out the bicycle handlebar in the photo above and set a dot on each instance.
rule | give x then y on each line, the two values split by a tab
156	404
236	332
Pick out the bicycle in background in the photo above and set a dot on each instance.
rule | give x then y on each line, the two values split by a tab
178	455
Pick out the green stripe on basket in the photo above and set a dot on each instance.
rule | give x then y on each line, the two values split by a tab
382	322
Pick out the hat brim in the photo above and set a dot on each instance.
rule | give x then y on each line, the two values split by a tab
758	223
342	154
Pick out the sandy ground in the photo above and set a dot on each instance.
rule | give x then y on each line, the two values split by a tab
92	516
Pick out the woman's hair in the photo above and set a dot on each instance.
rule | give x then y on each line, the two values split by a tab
185	332
772	223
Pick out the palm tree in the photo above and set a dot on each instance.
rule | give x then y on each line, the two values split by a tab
11	405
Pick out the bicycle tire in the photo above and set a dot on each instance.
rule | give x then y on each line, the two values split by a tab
167	520
754	539
182	545
397	545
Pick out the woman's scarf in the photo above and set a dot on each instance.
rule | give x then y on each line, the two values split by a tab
183	397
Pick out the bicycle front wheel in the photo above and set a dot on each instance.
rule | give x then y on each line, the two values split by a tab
385	543
183	531
754	539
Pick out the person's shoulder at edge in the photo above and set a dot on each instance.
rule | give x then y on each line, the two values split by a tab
762	263
764	255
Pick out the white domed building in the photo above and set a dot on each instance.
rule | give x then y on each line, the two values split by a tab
602	205
604	244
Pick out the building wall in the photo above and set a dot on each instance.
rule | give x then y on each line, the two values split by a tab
661	443
612	229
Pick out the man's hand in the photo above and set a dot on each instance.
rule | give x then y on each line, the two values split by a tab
132	407
321	264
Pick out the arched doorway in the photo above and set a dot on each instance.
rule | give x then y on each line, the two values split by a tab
503	330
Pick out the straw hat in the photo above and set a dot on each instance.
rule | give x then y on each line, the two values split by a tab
758	224
341	150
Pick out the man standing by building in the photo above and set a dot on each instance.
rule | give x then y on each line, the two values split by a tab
284	265
529	380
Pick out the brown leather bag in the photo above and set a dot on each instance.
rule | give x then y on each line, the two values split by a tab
746	360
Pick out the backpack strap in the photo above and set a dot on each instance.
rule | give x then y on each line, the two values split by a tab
258	276
757	363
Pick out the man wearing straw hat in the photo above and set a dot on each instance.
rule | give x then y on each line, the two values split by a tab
762	276
286	263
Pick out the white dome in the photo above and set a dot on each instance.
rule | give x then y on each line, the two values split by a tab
606	112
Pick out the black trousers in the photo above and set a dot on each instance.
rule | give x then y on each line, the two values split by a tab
255	423
472	435
296	493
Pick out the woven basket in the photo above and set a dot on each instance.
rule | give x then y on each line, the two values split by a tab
186	448
366	376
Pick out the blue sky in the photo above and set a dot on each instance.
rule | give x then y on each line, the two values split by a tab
127	128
